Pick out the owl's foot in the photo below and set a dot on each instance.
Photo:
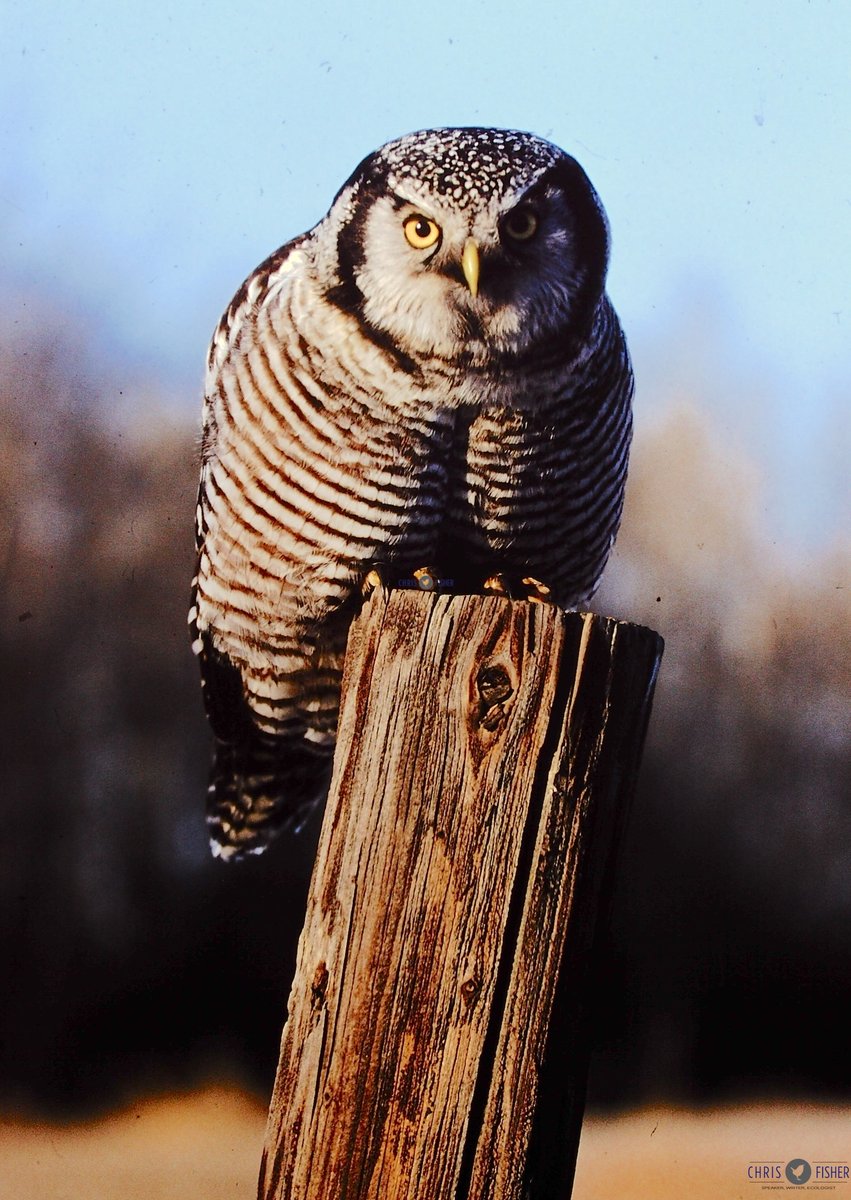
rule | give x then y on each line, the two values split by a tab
498	585
378	576
527	588
538	592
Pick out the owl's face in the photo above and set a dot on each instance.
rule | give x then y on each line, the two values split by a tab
470	245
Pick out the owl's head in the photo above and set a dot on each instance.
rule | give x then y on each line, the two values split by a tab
473	245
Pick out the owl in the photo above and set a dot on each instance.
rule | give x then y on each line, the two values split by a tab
432	375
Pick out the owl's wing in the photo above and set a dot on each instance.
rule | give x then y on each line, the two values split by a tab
266	776
251	293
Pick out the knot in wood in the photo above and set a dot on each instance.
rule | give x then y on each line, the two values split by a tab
470	989
494	686
318	987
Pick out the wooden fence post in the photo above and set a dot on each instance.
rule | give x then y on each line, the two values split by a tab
434	1043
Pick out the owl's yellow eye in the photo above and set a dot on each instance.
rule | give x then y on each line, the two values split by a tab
521	225
421	232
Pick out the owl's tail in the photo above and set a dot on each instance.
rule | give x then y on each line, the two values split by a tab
262	781
260	788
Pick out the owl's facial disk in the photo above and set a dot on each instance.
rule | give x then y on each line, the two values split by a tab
471	283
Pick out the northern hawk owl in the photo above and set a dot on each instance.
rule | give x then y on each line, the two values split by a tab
432	375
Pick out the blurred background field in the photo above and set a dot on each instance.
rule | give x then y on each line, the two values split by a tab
206	1146
145	167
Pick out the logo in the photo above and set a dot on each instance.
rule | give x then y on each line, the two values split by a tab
819	1174
798	1170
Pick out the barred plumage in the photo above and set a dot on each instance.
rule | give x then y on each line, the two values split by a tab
432	375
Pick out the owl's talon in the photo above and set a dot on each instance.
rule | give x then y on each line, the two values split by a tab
374	579
537	592
497	585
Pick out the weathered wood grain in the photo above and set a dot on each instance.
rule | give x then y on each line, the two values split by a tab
433	1047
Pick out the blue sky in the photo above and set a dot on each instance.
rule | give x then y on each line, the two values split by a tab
151	155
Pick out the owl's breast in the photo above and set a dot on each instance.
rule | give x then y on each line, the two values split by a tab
536	492
498	478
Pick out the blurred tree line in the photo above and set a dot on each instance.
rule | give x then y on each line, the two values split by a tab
132	960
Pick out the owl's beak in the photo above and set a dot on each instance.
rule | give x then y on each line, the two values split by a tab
470	265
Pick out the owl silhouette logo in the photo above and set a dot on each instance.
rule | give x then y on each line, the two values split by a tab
798	1170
